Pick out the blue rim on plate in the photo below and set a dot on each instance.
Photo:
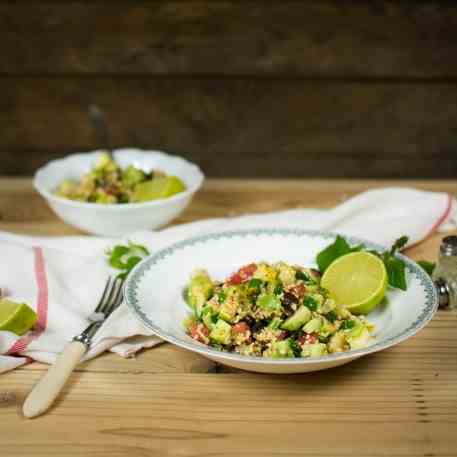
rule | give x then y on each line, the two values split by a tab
131	296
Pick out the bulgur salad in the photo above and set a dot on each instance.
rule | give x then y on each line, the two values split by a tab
107	183
272	310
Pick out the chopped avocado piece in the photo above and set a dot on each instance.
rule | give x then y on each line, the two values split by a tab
221	332
105	163
337	342
269	302
313	325
275	323
327	328
209	317
360	341
354	330
314	350
132	176
200	289
279	349
227	310
298	319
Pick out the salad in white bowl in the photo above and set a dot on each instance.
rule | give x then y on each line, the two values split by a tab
112	196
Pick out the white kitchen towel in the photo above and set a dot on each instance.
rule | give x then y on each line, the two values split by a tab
62	277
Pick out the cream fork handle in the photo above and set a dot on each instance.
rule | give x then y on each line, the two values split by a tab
49	386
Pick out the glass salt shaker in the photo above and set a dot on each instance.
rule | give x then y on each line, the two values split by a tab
445	274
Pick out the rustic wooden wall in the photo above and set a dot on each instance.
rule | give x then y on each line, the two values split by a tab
246	88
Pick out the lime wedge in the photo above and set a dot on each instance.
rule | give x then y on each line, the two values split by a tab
357	281
16	317
161	187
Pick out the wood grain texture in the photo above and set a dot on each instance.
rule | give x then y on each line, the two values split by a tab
240	127
168	402
381	39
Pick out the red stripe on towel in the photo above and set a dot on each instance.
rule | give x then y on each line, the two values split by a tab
42	305
443	217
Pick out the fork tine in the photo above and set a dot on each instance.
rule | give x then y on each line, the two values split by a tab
111	296
117	300
104	296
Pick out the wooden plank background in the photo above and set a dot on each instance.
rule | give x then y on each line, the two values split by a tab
245	88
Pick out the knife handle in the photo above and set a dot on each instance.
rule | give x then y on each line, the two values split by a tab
49	386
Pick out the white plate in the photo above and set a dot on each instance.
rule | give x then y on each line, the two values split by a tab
154	292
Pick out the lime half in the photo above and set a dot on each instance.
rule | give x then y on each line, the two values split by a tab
16	317
357	281
162	187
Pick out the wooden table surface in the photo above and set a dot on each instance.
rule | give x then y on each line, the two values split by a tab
169	402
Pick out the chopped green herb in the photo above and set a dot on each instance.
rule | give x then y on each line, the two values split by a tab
255	283
310	303
347	325
221	296
302	275
296	349
429	267
278	289
331	316
324	339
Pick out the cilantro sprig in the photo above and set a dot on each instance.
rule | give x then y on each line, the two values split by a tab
125	257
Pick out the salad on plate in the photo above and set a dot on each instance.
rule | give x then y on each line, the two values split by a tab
272	310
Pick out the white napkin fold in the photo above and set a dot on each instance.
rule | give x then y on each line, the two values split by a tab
62	277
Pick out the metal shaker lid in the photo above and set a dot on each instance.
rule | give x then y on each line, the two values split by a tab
449	245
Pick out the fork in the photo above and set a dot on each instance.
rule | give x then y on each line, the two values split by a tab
49	386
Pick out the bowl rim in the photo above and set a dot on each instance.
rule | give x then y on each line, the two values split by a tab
429	311
188	192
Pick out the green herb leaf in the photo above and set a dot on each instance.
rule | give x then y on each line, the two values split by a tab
429	267
396	271
331	316
296	349
255	284
310	303
221	296
347	325
278	289
399	244
125	258
302	275
337	249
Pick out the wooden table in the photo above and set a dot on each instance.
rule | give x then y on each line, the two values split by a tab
169	402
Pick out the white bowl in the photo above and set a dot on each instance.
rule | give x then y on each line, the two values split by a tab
118	219
153	292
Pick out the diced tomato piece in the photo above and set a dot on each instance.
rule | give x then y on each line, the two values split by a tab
240	327
235	279
244	274
199	333
308	338
282	336
311	338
